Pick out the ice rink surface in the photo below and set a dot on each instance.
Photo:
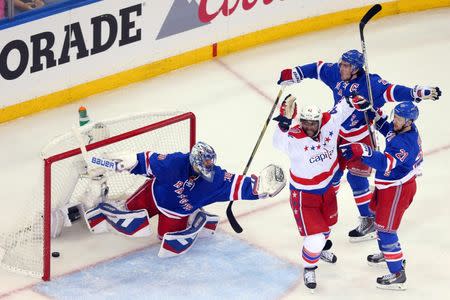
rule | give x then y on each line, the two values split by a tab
231	98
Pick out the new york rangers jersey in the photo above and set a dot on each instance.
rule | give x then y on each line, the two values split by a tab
313	161
401	159
178	190
354	128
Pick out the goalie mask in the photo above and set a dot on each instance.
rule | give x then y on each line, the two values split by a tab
203	159
311	120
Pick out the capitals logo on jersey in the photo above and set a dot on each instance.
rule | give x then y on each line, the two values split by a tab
327	154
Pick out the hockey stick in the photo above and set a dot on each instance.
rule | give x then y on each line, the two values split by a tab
366	18
231	218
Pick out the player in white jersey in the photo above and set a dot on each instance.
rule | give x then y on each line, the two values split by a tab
312	149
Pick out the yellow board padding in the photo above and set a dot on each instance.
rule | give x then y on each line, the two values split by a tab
205	53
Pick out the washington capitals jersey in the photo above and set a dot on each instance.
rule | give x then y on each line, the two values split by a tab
401	158
178	190
313	161
354	128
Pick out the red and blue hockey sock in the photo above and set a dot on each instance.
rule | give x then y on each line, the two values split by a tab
389	245
361	193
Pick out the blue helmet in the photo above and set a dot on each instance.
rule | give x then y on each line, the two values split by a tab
407	110
203	159
354	57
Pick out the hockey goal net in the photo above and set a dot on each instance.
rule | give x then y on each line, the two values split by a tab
26	247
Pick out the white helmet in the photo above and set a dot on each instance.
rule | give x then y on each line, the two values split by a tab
311	113
203	159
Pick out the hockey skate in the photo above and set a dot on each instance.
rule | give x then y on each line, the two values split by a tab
309	277
365	230
378	260
328	256
396	281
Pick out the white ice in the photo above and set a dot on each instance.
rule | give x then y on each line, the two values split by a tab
231	97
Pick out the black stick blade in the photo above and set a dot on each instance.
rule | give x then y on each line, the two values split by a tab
369	15
233	222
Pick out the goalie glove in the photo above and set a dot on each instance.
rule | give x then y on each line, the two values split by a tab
271	181
420	93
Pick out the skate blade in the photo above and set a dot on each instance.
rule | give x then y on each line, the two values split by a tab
393	287
367	237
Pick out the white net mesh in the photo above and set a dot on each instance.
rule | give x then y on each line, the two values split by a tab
21	246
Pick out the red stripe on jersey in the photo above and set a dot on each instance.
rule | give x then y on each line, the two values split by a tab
390	162
147	160
389	97
297	132
353	133
326	116
316	179
236	187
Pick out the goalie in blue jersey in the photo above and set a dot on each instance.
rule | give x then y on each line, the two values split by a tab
179	185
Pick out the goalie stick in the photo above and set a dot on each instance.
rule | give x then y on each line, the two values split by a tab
366	18
231	218
92	161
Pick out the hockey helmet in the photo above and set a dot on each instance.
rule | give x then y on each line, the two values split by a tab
354	58
407	110
203	159
311	113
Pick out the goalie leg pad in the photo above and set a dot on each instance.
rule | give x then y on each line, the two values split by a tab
106	217
128	223
177	243
96	220
211	222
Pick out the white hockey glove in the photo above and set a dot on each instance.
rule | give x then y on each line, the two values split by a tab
124	160
420	93
291	107
271	181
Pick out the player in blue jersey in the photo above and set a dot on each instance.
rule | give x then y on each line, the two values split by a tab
347	78
395	185
179	186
